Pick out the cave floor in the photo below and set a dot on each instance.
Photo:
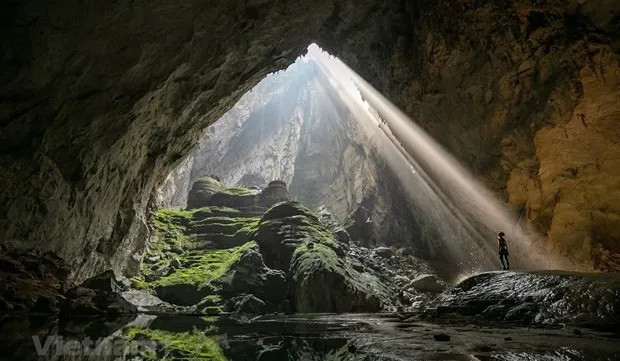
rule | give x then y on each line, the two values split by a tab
344	337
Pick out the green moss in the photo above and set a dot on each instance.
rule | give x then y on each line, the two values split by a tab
249	228
288	209
307	260
200	266
203	267
186	346
238	191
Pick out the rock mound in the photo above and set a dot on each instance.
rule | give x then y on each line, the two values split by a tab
536	298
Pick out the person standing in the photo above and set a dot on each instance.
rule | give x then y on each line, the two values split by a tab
502	246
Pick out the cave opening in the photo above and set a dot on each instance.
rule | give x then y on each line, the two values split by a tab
375	187
345	151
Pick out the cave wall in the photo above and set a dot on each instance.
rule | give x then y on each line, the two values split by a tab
524	93
99	101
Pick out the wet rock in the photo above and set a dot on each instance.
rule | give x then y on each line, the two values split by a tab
442	337
427	283
323	282
495	312
184	294
152	259
88	301
146	302
103	282
248	304
524	313
588	300
124	283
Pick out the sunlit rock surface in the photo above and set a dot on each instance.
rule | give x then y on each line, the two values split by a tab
101	101
537	298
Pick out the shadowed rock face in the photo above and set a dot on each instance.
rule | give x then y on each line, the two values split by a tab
100	101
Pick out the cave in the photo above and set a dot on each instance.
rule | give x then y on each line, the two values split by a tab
102	104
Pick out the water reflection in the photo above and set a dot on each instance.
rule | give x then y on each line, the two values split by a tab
295	338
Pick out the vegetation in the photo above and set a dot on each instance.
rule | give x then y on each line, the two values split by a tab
186	346
176	242
202	267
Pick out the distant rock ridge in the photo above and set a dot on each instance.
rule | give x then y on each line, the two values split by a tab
209	191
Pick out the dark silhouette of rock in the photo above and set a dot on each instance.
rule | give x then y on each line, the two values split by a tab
184	294
427	283
95	296
442	337
103	282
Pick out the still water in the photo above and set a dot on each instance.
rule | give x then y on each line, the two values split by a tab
290	337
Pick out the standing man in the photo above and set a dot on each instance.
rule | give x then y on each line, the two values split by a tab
503	251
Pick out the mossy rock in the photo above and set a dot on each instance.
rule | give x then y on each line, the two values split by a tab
202	191
285	227
250	275
234	200
324	282
288	209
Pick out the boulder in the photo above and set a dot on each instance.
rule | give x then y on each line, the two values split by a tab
100	294
250	275
184	294
103	282
202	191
588	300
286	226
427	283
248	304
323	282
275	192
89	301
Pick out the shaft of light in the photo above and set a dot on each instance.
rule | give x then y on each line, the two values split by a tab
452	198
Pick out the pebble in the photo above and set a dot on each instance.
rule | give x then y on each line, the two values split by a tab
441	337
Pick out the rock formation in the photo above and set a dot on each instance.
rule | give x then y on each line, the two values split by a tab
228	254
100	101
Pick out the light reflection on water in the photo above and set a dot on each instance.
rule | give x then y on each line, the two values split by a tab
295	338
